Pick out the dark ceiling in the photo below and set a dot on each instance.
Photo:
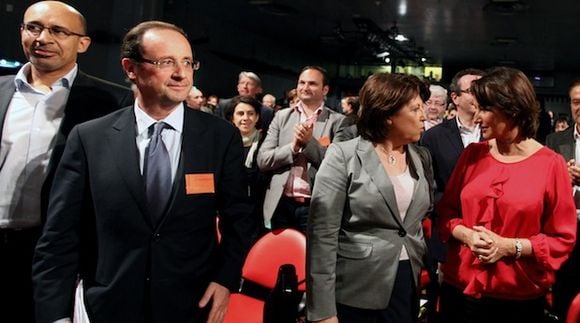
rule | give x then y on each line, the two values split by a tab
535	35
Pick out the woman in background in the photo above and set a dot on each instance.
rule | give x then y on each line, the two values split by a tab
244	113
365	241
507	212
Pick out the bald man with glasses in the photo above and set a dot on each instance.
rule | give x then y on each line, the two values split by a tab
38	108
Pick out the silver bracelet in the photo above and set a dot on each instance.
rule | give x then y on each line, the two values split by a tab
519	248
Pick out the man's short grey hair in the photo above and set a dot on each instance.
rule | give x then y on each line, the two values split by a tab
438	90
252	76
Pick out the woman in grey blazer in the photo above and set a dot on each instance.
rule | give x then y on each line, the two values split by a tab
365	240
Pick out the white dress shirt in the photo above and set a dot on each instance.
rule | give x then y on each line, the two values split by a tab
171	137
28	137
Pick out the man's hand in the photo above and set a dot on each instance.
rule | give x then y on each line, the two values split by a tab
220	297
332	319
303	134
574	172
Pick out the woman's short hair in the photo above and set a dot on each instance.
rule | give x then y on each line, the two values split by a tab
242	99
510	92
382	96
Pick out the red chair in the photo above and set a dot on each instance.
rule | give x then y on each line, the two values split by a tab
276	248
573	315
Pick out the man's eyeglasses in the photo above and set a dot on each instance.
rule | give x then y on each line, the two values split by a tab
468	91
167	63
437	103
34	30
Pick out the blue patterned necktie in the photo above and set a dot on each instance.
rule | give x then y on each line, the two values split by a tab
157	173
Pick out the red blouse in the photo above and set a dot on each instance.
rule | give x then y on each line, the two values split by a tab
529	199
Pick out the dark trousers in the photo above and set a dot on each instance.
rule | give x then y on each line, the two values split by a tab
403	306
16	251
567	283
291	214
459	308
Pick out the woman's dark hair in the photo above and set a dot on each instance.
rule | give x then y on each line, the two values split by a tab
510	92
382	96
229	113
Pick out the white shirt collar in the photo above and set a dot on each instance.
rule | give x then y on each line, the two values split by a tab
144	121
21	79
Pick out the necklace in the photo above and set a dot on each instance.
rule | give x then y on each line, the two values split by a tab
391	158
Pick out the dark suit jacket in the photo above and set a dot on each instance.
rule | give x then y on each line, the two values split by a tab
445	145
99	225
563	143
89	98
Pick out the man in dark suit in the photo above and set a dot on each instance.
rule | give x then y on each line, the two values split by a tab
445	142
38	108
146	246
565	143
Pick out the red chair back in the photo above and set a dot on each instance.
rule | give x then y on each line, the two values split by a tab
573	315
276	248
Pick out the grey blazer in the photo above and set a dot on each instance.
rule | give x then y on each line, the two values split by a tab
563	143
275	154
355	232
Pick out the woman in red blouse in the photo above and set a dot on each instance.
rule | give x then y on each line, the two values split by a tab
507	214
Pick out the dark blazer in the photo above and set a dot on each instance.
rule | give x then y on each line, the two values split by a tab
99	225
89	98
445	145
563	143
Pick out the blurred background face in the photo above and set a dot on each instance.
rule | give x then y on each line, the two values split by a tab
435	107
575	103
47	52
195	99
269	101
311	89
213	100
245	118
451	114
248	87
346	108
465	101
407	124
560	126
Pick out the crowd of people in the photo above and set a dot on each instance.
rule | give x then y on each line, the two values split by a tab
110	196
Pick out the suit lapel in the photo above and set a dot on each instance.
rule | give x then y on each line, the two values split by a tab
418	168
567	144
320	124
7	88
372	165
453	136
193	157
121	139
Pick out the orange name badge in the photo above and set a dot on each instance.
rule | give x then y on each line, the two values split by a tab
324	141
199	183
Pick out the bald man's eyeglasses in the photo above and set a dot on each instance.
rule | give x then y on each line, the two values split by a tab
59	32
